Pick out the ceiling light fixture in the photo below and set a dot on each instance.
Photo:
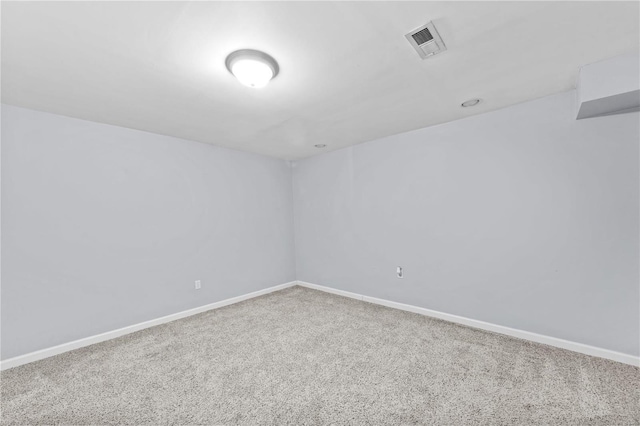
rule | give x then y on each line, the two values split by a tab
320	145
252	67
470	103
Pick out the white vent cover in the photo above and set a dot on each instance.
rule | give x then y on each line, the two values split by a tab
426	41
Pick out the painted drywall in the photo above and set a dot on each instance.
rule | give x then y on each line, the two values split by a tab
105	227
523	217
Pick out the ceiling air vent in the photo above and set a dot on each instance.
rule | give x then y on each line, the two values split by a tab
426	40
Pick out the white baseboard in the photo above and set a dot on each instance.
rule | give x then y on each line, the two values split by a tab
76	344
521	334
526	335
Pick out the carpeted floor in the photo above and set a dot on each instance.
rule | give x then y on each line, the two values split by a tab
303	357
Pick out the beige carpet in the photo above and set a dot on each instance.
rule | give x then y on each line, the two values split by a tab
302	357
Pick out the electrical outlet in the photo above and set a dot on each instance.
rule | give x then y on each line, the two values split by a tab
198	285
399	272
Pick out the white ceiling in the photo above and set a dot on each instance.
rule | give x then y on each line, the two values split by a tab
348	74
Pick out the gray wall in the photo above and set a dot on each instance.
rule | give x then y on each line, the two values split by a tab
522	217
104	227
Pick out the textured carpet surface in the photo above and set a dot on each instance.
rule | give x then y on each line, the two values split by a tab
303	357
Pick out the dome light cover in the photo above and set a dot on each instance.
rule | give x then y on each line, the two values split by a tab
252	67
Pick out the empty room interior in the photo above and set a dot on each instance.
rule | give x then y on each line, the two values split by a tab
320	213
